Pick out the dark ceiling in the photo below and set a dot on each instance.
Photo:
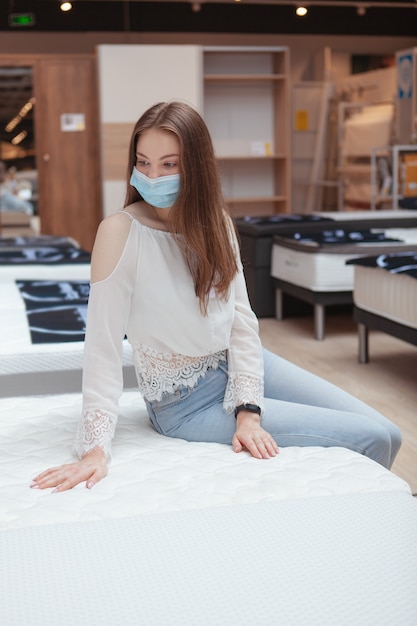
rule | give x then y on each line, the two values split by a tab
339	17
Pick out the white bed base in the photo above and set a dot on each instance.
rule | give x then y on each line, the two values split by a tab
191	534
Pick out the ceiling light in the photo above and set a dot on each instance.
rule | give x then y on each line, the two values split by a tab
28	106
19	138
65	6
301	11
13	123
361	9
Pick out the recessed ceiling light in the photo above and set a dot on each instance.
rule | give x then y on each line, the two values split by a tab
65	6
301	11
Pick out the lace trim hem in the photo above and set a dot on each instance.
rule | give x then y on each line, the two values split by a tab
96	429
159	373
243	388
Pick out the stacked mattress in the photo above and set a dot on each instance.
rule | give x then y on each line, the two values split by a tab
42	337
191	533
54	362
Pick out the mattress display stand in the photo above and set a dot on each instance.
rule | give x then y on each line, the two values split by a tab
319	299
367	320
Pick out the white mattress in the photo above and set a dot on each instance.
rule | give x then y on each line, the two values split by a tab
191	534
321	270
150	473
367	128
27	368
393	296
344	560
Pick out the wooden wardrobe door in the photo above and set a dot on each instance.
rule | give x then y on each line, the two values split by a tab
67	147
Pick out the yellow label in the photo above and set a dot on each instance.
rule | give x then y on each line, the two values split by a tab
301	120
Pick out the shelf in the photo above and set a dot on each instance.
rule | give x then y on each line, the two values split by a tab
244	77
358	169
251	157
396	156
246	107
256	199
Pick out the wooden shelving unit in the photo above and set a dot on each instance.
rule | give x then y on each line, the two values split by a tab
388	196
246	107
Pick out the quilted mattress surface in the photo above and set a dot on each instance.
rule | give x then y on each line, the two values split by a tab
151	474
345	560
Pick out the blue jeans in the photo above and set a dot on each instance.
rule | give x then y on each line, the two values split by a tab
301	409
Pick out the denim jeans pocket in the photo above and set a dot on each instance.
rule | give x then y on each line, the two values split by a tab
175	409
170	400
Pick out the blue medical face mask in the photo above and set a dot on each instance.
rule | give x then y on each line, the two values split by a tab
160	192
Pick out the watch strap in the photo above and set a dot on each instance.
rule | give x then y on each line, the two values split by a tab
246	406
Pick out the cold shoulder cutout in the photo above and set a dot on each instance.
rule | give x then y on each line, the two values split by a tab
109	244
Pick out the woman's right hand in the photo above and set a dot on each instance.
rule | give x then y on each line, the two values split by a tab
91	469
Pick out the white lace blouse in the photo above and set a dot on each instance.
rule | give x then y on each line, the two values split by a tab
150	298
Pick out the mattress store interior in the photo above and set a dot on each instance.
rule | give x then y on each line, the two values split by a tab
312	112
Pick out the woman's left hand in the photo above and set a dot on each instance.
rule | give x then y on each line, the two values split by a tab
250	435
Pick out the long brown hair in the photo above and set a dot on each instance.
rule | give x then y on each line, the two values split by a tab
199	217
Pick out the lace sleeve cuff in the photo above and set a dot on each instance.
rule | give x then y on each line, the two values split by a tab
243	388
96	429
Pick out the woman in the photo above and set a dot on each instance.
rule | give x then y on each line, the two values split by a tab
166	272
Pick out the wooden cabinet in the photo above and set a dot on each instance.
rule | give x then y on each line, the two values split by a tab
66	155
246	107
67	147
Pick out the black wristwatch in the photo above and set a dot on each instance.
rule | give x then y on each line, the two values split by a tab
252	408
